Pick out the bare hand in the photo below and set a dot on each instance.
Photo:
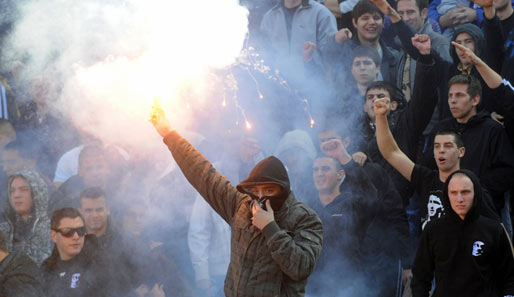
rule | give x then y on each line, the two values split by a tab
308	49
159	120
467	53
497	117
464	15
382	5
335	148
359	158
261	218
382	106
343	35
422	43
157	291
406	275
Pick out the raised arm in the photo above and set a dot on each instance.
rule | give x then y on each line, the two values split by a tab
214	187
491	78
386	143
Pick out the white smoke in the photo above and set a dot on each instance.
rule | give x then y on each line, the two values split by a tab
114	57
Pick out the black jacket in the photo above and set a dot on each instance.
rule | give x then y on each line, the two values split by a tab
407	124
19	277
361	240
470	257
488	153
82	276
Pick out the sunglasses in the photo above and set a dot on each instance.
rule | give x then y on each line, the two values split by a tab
69	232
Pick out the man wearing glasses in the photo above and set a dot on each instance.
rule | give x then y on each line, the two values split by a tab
72	269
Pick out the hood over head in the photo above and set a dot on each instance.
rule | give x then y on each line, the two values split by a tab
38	189
297	139
477	35
474	212
268	171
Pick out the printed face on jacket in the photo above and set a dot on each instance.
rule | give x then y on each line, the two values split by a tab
68	247
369	26
461	194
20	196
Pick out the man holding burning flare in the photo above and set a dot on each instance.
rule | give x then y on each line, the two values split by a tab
276	240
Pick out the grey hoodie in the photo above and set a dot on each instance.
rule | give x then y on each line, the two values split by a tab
37	244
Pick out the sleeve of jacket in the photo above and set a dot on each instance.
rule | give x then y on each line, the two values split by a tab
199	237
420	108
405	32
505	264
326	30
499	176
394	212
23	280
432	11
296	253
423	267
494	43
201	174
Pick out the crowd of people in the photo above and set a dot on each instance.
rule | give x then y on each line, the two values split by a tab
402	187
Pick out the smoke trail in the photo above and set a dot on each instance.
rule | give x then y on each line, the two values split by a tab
113	57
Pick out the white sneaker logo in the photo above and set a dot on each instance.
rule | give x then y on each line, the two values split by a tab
477	248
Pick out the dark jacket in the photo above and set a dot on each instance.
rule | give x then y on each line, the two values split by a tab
342	67
34	241
273	262
407	124
470	257
19	276
488	154
376	237
82	276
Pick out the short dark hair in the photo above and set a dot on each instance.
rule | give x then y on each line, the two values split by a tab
456	136
366	51
338	164
364	6
66	212
421	4
3	242
474	85
91	150
92	193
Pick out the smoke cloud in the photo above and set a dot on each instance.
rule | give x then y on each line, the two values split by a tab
112	58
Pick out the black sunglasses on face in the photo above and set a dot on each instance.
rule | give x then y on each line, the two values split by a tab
69	232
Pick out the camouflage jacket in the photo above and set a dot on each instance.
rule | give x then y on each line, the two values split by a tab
273	262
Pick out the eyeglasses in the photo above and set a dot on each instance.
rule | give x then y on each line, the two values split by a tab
69	232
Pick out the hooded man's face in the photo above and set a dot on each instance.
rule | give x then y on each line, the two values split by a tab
466	40
461	194
21	196
268	191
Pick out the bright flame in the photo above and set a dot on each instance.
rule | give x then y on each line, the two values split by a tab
248	125
312	123
116	56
